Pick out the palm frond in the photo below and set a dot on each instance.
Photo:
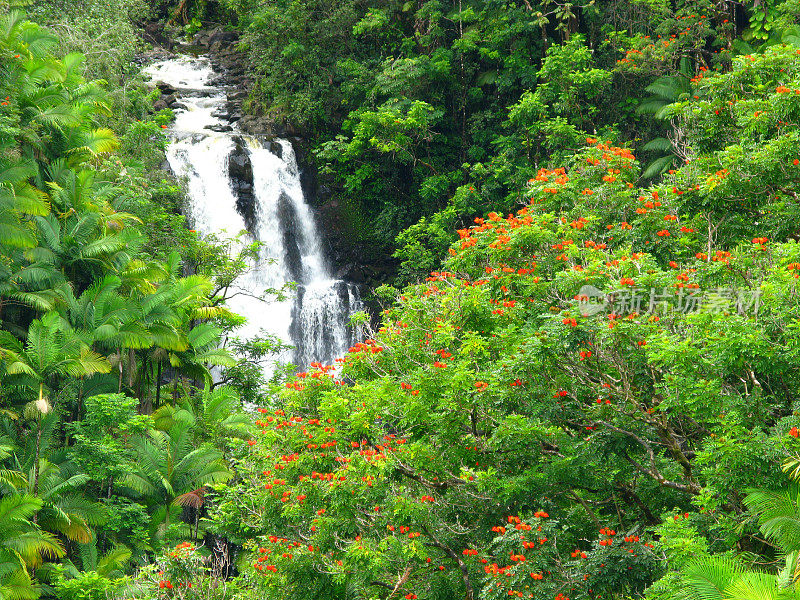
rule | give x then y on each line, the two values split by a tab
17	507
779	514
33	546
753	586
17	585
658	166
113	562
97	141
661	144
708	578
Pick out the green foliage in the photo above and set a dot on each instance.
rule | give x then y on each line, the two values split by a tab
86	586
570	397
22	543
99	438
493	395
105	32
93	326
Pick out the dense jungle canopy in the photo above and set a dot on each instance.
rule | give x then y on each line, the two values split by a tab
580	381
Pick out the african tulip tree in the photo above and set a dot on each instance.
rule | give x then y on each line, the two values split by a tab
604	355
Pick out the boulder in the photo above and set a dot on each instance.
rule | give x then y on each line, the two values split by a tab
166	88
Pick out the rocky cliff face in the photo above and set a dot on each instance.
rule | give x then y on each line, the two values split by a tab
364	265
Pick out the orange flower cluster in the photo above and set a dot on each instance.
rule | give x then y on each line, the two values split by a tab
367	347
579	224
182	550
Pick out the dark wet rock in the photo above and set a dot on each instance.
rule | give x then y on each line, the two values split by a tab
287	216
201	38
240	170
165	88
153	33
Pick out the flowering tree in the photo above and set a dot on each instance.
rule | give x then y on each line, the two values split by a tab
599	358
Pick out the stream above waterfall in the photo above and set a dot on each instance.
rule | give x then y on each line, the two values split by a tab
239	184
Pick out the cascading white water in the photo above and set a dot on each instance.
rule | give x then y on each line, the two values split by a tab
315	320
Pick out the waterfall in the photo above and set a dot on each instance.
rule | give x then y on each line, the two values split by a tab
217	163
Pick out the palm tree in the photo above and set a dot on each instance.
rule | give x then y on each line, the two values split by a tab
203	350
664	91
18	198
57	107
779	514
723	578
171	314
169	471
216	414
65	510
111	321
18	201
53	350
22	545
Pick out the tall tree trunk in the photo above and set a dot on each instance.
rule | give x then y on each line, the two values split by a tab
38	448
158	383
119	357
